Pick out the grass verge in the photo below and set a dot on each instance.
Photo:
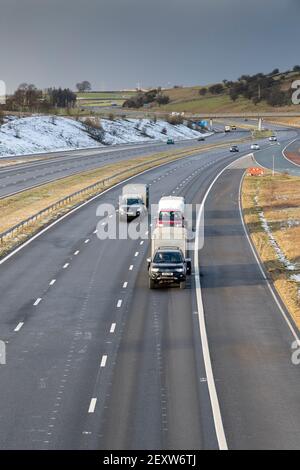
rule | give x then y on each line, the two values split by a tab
262	134
275	201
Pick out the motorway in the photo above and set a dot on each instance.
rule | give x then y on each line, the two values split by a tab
50	167
95	360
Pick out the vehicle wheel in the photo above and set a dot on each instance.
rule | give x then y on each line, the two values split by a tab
152	284
182	285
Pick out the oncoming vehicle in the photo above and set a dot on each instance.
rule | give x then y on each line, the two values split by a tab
170	141
233	128
255	147
134	201
201	139
234	148
273	138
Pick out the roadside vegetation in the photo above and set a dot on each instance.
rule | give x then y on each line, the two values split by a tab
271	208
259	92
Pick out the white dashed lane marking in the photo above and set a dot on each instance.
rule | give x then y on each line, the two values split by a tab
19	326
92	405
113	327
119	304
65	266
52	282
125	285
103	361
36	303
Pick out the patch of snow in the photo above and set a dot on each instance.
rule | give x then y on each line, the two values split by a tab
37	134
280	255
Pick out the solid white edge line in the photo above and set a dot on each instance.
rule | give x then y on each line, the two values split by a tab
92	405
261	267
218	423
284	150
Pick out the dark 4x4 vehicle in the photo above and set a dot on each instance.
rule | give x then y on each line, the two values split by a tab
168	267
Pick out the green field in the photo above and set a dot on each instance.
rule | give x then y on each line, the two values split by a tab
105	95
100	99
189	101
100	103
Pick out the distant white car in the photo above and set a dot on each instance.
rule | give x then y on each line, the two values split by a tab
255	147
273	138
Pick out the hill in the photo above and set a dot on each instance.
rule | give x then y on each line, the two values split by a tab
271	92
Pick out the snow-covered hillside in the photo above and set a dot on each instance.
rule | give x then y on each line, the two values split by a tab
44	133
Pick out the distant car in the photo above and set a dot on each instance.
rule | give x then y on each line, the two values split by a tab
201	139
255	147
170	141
234	148
273	138
233	128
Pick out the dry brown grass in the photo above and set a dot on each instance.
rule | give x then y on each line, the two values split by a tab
16	161
279	199
288	121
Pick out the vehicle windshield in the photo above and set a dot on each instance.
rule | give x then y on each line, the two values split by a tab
170	216
167	257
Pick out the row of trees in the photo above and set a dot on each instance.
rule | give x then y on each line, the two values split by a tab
257	88
61	98
150	97
28	97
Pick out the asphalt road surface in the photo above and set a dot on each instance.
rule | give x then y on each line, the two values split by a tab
95	360
52	166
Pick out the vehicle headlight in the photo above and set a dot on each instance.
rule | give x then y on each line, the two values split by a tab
179	270
155	270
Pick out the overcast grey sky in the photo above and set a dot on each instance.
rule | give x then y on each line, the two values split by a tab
118	43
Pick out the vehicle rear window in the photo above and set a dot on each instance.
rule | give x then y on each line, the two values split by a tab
166	216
